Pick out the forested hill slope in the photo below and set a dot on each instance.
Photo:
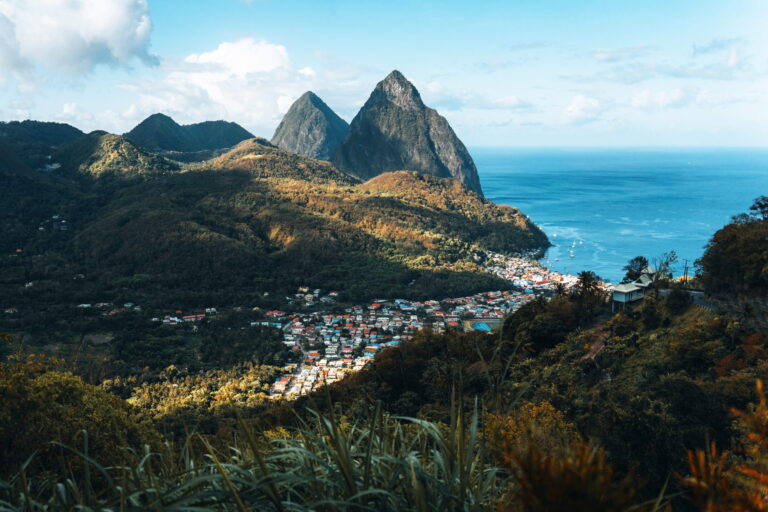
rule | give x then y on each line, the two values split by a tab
265	160
160	132
259	219
39	132
101	154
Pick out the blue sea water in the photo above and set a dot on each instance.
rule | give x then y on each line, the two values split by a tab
605	206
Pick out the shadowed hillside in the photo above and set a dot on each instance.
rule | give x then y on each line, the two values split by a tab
159	132
259	219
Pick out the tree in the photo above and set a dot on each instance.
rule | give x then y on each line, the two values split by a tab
735	261
663	265
5	345
678	300
634	268
760	208
41	405
587	294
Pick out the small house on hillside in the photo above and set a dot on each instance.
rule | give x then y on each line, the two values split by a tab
627	293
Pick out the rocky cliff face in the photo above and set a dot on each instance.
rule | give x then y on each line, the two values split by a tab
310	128
395	131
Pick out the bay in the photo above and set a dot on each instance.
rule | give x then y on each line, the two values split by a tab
601	207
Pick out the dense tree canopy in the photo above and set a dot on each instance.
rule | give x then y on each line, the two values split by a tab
736	258
41	405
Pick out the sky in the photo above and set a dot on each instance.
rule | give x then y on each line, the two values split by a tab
504	73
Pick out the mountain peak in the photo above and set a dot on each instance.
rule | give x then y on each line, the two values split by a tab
161	132
310	128
395	131
310	97
396	89
159	116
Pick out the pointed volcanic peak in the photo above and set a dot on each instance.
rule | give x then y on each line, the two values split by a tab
159	132
395	131
310	128
101	154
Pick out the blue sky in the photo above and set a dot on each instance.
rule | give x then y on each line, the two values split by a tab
513	73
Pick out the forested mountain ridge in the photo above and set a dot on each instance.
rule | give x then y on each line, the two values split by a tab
274	219
39	132
160	132
265	160
101	154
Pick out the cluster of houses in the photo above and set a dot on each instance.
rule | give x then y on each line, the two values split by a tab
55	223
110	308
179	318
527	274
335	344
306	297
308	378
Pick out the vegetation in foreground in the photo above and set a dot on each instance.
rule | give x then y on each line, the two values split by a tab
566	408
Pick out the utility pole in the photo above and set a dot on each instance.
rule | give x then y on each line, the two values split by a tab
685	273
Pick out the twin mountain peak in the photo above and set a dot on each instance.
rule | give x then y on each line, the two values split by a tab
393	131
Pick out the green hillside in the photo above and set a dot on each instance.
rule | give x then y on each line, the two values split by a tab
258	219
217	134
567	408
39	132
159	132
102	154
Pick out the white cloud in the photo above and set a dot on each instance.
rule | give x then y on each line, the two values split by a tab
660	100
308	71
617	54
716	45
248	81
284	103
68	111
708	98
243	57
511	102
582	109
437	96
73	35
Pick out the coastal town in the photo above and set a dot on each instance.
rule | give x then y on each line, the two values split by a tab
331	339
333	345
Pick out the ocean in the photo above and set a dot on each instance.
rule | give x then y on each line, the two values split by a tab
601	207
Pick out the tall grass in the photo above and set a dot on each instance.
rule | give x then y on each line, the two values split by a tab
380	463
